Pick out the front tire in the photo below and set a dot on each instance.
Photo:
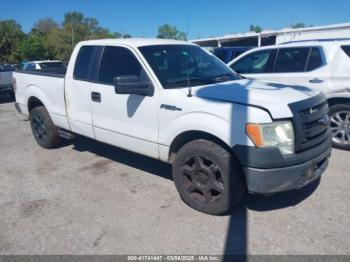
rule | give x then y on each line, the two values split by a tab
43	129
340	126
207	177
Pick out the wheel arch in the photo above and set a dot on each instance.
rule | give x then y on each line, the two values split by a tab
35	97
33	102
185	137
338	100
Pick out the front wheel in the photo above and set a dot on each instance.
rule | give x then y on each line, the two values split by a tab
340	126
43	129
207	177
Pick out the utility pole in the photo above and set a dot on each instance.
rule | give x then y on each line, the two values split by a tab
73	40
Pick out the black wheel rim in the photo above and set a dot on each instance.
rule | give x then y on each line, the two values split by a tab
202	180
39	127
340	126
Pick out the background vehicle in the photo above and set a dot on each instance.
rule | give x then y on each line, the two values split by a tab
226	54
173	101
49	66
6	80
322	65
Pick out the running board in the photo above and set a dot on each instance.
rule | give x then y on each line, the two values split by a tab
66	134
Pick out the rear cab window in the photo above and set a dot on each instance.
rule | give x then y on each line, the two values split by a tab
82	63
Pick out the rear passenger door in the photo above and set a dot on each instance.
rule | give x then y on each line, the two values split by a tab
78	90
125	120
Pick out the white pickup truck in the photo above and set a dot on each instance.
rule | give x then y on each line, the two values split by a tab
173	101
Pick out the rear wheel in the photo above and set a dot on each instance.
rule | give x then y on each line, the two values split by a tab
207	177
340	126
43	129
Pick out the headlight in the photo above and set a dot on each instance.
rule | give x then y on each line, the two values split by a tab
277	134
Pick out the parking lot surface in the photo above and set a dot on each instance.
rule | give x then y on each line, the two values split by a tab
90	198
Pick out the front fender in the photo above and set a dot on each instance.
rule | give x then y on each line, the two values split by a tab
230	132
196	121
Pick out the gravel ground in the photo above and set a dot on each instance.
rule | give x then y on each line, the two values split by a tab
91	198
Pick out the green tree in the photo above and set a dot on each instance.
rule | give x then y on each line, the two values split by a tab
49	39
32	46
11	35
117	35
45	25
75	28
300	25
58	43
255	28
167	31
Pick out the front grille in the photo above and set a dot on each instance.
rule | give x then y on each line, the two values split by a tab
310	130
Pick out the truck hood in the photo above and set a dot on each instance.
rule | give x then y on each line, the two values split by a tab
272	96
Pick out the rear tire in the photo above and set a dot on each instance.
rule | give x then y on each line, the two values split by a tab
43	129
208	178
340	126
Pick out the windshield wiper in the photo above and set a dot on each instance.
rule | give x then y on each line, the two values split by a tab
185	82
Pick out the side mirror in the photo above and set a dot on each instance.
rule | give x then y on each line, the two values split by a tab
132	85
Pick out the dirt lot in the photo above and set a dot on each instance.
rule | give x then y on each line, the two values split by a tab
90	198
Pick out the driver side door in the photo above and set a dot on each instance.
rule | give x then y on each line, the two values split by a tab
125	120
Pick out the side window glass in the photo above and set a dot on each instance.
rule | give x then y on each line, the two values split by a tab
291	60
30	67
253	63
346	49
81	68
315	59
119	61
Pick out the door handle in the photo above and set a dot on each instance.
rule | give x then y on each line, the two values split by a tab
96	97
316	81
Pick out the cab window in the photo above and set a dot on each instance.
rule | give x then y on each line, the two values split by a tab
82	63
119	61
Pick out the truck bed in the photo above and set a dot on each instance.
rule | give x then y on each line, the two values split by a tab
44	72
48	87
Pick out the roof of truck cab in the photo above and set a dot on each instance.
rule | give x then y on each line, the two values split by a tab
135	42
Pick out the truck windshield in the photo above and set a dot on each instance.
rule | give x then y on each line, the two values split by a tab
185	65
